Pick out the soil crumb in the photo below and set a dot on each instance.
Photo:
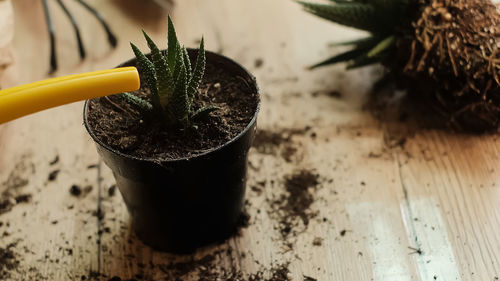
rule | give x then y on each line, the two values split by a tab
53	175
112	190
75	190
318	241
54	161
278	142
308	278
258	63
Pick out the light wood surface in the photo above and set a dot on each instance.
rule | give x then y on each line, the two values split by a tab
392	204
6	35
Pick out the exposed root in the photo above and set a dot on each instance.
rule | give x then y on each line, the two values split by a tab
454	50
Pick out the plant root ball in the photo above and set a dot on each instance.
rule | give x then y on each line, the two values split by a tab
450	59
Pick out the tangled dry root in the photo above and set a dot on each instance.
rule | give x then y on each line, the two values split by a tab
454	50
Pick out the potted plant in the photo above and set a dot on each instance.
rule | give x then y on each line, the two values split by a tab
178	146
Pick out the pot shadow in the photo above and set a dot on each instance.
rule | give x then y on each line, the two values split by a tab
419	109
136	260
147	14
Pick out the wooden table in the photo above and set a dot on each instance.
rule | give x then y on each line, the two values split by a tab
391	203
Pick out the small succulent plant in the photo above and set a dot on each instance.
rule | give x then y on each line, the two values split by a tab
172	80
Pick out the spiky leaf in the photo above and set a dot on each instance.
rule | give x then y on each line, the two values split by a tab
358	15
356	42
187	63
137	101
203	112
343	57
179	63
199	70
165	81
179	106
382	46
148	69
173	46
363	61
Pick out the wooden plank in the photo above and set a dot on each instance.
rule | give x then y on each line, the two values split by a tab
450	182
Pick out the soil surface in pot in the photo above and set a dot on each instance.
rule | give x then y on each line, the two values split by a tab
123	127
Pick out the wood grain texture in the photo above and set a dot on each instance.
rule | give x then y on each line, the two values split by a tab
392	204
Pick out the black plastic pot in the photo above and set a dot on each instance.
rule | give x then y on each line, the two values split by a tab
180	205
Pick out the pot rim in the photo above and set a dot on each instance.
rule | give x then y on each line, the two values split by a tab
208	151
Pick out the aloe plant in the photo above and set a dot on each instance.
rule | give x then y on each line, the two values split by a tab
444	53
381	18
172	80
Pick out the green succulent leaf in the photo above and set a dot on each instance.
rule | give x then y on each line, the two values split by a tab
382	46
187	63
148	69
179	64
358	15
173	45
363	61
204	111
137	101
165	81
342	57
180	106
198	71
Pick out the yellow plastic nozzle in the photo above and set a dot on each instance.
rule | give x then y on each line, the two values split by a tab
30	98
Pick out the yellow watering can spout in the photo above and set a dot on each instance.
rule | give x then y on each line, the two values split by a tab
30	98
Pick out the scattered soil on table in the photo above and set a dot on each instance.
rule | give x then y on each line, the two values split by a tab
208	268
296	202
78	191
8	261
119	124
12	189
278	142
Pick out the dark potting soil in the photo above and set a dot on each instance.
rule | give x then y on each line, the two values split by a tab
122	127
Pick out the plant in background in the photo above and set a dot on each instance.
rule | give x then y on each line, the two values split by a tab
445	53
379	17
172	81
